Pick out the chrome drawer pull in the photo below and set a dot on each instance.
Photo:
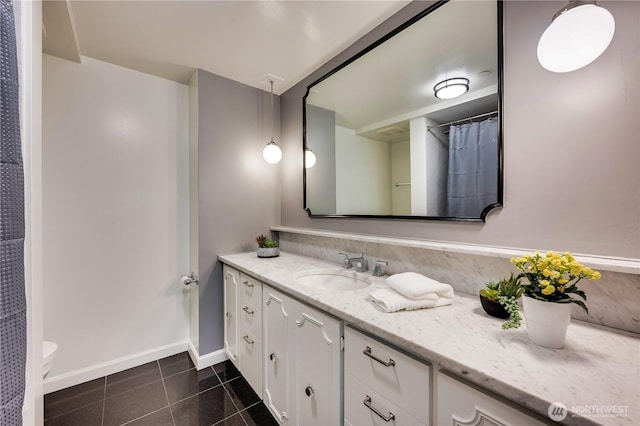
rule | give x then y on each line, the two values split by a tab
367	403
247	284
368	353
246	309
249	341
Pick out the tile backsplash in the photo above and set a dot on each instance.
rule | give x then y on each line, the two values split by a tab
613	301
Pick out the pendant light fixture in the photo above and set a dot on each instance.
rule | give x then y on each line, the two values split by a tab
451	88
577	36
272	152
309	158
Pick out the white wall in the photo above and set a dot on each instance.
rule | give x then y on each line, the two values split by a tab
28	22
363	174
437	165
400	173
571	151
418	132
115	216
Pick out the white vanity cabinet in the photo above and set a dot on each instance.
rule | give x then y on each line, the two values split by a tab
460	405
243	325
383	385
303	362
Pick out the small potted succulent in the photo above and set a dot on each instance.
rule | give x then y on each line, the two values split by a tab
500	300
267	247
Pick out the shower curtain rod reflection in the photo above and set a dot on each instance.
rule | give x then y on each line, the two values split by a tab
463	119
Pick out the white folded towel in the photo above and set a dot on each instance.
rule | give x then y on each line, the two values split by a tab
418	287
390	301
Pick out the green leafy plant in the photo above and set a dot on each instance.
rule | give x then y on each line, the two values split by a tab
492	291
510	305
264	242
506	292
511	287
510	291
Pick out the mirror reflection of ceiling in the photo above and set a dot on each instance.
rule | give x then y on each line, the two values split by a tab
442	52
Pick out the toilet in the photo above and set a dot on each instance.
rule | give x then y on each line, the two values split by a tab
49	350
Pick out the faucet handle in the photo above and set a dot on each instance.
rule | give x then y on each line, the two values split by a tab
378	271
346	262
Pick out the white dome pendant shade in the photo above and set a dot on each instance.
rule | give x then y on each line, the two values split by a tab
578	34
309	158
272	153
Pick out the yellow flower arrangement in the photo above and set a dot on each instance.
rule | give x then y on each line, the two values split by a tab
554	277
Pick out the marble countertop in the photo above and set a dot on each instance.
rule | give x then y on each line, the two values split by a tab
599	369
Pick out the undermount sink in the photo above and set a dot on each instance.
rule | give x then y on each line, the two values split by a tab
333	279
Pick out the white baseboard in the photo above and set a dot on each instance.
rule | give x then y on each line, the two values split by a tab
72	378
207	360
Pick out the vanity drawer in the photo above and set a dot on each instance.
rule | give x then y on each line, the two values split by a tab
249	319
357	413
250	290
251	360
396	376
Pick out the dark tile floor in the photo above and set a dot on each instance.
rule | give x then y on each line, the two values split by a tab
168	392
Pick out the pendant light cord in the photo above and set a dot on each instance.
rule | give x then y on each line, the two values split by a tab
272	118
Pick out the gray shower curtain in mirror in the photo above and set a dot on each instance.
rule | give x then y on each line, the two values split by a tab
13	318
472	182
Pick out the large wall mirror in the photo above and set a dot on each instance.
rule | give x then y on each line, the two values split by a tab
386	146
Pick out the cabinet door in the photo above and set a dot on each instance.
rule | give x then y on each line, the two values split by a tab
231	281
317	368
276	340
462	405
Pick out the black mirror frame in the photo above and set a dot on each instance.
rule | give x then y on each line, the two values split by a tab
366	50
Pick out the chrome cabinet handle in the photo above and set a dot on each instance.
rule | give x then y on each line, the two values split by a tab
368	353
272	357
246	309
309	391
367	403
249	341
247	284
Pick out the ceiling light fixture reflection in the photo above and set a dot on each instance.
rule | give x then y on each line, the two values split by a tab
272	153
451	88
309	158
578	35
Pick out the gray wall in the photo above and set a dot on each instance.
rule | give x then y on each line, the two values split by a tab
571	145
239	193
321	178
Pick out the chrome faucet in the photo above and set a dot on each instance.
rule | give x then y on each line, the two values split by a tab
358	263
378	271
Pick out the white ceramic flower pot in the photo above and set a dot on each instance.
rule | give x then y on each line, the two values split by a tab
547	322
268	251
